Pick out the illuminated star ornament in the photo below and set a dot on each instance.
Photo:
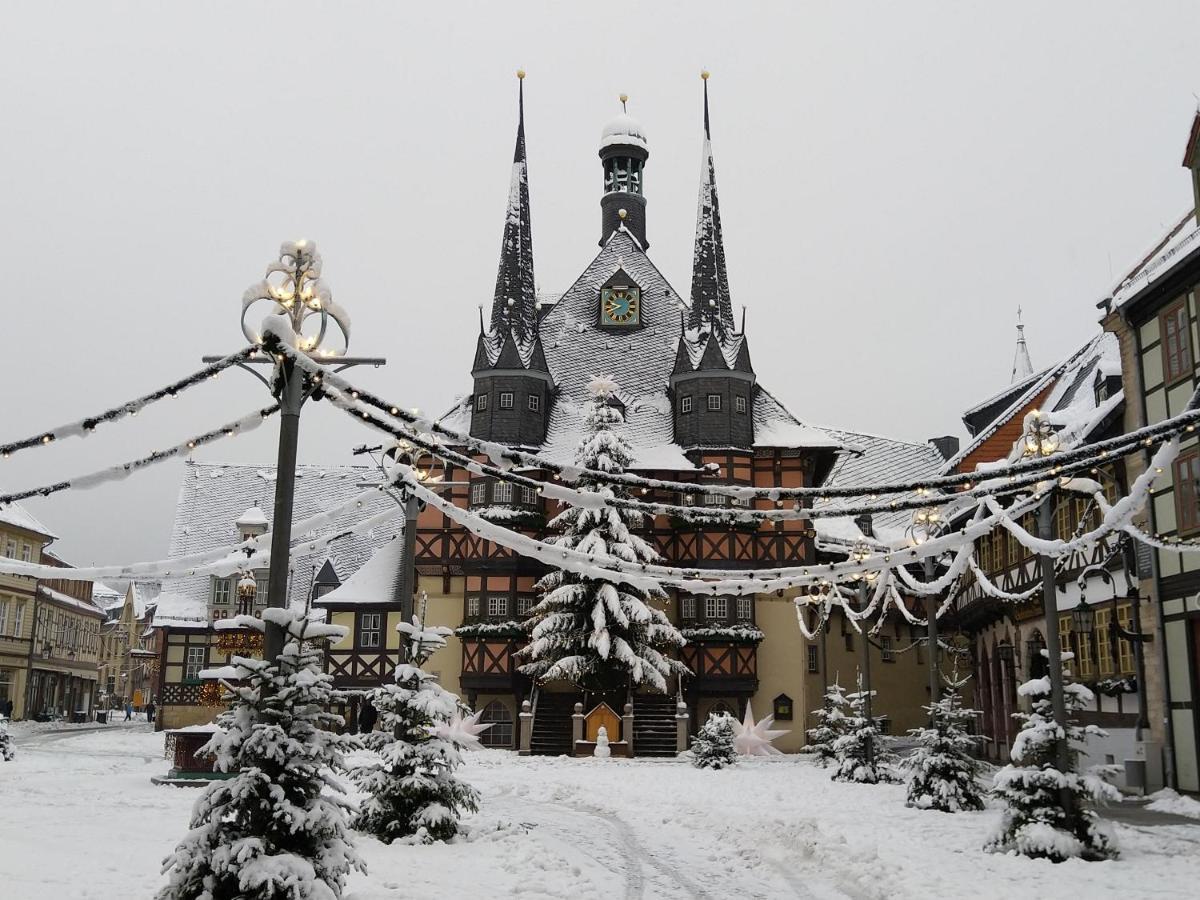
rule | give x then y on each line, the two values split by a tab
754	739
464	733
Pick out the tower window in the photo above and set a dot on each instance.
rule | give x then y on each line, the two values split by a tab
739	404
714	401
685	404
535	403
480	402
506	400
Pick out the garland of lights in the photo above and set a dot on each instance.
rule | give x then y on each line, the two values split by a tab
1077	459
564	494
250	553
124	470
84	427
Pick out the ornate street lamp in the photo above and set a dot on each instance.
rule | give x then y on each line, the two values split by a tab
1083	618
1041	441
926	525
1006	651
247	590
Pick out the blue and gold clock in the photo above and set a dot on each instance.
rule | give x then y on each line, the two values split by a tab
620	306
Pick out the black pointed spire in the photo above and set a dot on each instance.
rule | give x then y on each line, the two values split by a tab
711	303
514	307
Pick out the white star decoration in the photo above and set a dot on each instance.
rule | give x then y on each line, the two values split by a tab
462	732
754	739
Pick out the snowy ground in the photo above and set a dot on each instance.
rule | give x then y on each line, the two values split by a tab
80	819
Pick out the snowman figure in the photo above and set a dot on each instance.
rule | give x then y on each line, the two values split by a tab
602	751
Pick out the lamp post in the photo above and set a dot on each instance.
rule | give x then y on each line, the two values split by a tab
926	525
860	552
293	288
1042	441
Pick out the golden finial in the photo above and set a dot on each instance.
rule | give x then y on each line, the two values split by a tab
704	74
521	74
624	98
621	214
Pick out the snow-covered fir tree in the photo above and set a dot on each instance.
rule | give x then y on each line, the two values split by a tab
1035	822
6	744
941	771
277	829
588	631
831	722
859	753
712	747
413	792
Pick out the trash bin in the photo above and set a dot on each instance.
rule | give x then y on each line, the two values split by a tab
78	717
102	717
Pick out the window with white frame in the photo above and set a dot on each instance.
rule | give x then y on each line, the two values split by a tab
221	592
745	609
714	401
480	402
687	608
194	663
478	493
885	649
525	604
716	609
502	492
19	618
535	403
472	607
813	665
685	404
26	553
714	499
497	606
4	604
739	404
10	548
506	400
529	495
370	628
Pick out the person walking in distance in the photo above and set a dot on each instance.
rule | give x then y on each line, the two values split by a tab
128	710
366	717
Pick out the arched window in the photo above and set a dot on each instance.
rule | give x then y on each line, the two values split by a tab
500	735
721	708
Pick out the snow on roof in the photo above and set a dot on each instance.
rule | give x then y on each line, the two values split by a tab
67	600
212	496
1006	391
872	459
774	426
253	517
623	129
18	516
105	597
378	581
1179	243
144	595
1071	402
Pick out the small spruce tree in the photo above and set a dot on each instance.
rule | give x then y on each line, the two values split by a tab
277	829
712	747
1036	821
831	721
859	753
588	631
413	793
941	771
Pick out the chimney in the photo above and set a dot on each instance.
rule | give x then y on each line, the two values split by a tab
947	445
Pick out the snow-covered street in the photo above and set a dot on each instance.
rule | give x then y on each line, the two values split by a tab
551	828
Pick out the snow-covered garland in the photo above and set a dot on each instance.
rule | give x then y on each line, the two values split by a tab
84	427
353	404
744	581
121	471
510	628
254	552
734	634
1064	462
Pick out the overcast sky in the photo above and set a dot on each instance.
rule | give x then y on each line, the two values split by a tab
895	181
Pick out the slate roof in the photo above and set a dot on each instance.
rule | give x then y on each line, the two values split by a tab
145	595
378	581
872	459
212	497
1181	242
18	516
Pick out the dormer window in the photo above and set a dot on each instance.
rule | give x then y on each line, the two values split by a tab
480	402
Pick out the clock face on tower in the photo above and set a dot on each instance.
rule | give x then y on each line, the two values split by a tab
620	306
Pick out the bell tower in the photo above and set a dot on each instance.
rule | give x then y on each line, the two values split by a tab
623	155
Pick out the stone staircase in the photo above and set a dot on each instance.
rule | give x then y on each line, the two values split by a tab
552	724
653	725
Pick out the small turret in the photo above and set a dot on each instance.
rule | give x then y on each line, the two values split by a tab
1022	365
623	154
713	389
